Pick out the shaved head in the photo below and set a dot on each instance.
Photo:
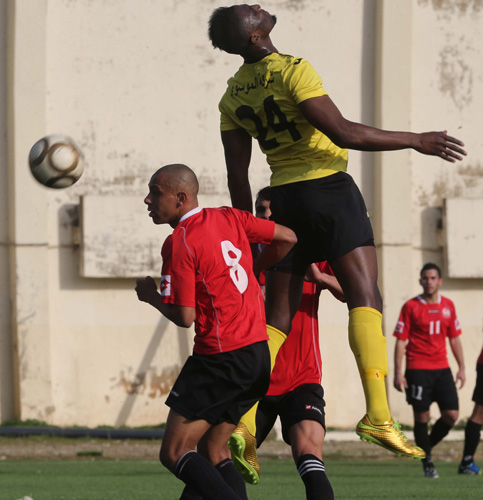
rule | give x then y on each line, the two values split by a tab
173	192
178	177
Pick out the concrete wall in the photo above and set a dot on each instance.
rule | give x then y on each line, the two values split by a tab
137	84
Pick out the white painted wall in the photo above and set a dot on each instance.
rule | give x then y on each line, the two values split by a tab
137	84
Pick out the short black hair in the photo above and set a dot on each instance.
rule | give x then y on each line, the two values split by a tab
264	194
428	266
220	30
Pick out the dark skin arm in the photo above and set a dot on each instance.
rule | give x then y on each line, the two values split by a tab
238	151
147	291
323	114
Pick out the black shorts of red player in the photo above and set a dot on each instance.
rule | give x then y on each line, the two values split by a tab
431	386
221	387
306	402
478	392
328	215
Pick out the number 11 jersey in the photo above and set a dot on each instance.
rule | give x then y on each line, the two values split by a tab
426	326
207	264
262	98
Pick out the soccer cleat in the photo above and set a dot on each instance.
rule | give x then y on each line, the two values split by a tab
243	447
390	436
472	469
430	471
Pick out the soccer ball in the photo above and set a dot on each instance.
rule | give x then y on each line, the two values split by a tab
55	161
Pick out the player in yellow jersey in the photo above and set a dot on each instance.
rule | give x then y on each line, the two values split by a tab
279	100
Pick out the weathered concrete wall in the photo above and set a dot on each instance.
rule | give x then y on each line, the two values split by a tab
6	388
137	84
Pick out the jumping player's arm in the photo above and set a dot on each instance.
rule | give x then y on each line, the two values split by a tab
457	349
147	291
283	240
323	114
237	144
400	382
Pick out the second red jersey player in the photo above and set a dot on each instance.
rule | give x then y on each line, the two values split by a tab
426	326
425	322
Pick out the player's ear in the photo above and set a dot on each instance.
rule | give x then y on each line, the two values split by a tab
254	37
182	197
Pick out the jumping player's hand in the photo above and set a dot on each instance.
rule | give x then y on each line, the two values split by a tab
400	382
146	289
440	144
461	377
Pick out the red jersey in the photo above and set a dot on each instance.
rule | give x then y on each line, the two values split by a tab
426	327
207	264
299	361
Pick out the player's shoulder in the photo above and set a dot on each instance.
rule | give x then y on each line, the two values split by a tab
445	299
447	302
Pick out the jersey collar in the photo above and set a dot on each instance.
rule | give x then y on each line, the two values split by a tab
187	215
420	298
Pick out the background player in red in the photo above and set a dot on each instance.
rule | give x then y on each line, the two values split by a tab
207	278
425	322
279	100
295	393
473	426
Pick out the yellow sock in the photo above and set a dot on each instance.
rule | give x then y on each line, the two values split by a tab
369	347
276	339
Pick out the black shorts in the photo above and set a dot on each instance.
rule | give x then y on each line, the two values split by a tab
431	386
478	392
306	402
328	215
221	387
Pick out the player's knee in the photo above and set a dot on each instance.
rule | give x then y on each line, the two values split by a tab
163	457
168	457
450	417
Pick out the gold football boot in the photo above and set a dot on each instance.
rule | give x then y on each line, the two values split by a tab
390	436
243	447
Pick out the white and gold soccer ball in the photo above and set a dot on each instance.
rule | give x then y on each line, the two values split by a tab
56	161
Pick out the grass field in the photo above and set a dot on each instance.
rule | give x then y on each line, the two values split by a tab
100	479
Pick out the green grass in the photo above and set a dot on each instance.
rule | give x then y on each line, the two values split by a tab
99	479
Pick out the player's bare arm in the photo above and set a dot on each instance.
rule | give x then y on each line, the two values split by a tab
400	382
283	240
147	291
323	114
457	349
325	281
238	151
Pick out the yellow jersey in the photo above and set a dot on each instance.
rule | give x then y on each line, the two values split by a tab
263	99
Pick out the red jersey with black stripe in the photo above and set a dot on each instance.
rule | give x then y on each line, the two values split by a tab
207	264
426	326
298	360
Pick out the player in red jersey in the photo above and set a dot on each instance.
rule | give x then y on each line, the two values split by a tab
473	426
425	322
295	393
207	278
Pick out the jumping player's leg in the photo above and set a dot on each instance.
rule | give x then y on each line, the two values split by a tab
283	292
178	454
357	274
